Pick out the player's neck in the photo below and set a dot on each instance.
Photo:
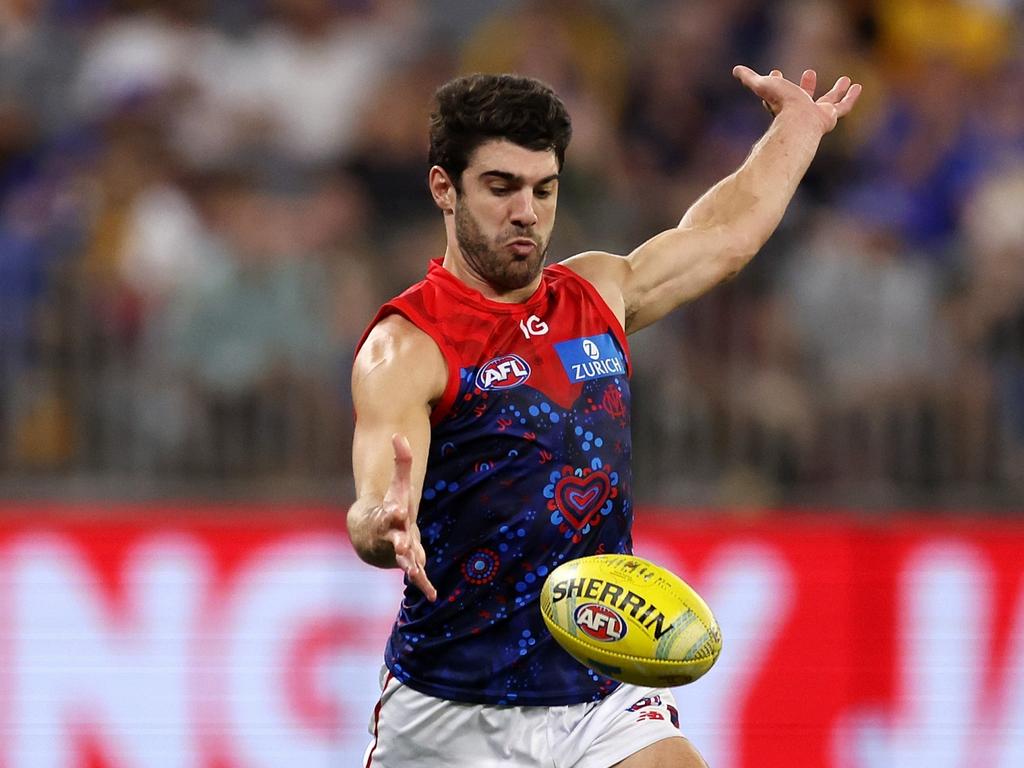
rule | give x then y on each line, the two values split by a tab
460	269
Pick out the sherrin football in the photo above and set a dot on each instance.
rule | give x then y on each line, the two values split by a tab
630	620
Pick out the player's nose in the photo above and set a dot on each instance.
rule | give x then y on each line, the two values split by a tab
523	213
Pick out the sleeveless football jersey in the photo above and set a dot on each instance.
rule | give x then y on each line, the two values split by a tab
529	466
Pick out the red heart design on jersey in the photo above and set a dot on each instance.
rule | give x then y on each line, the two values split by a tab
580	498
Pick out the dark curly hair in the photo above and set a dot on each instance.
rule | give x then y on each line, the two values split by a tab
477	108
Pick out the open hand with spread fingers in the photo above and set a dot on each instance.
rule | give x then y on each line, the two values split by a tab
779	94
396	522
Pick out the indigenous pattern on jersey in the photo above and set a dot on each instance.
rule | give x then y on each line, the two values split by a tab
528	467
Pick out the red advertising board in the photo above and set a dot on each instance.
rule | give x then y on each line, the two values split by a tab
240	639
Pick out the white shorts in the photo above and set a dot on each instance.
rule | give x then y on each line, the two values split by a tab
413	730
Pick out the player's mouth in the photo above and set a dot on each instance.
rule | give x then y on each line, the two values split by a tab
522	246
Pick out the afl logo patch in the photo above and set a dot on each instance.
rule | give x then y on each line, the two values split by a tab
599	622
503	372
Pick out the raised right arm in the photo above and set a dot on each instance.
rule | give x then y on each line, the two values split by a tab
399	373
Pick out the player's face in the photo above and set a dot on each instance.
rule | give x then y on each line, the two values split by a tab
505	212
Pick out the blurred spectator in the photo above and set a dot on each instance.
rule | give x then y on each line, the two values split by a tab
252	341
309	72
972	36
128	167
919	159
991	314
24	278
38	60
866	311
387	153
573	45
996	131
147	49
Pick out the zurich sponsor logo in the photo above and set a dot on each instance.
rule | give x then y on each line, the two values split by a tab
592	357
503	372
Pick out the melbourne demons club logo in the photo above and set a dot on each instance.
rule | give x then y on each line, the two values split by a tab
503	372
600	622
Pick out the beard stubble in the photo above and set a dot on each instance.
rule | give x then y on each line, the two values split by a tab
490	260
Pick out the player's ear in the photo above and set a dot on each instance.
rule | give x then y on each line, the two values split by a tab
442	189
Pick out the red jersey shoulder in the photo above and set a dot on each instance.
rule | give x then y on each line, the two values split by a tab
475	328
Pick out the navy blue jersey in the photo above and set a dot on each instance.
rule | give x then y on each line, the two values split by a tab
529	467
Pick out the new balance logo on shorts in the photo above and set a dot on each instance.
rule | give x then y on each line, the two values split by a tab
653	708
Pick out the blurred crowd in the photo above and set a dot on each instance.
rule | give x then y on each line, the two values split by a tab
202	203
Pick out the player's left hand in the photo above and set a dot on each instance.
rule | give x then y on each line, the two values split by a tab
397	520
779	94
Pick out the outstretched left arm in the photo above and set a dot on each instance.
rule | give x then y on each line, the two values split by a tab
727	226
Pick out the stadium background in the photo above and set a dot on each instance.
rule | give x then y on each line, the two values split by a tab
201	205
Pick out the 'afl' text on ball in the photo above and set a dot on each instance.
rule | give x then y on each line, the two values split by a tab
616	596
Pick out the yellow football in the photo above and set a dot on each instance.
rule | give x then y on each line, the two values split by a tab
630	619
